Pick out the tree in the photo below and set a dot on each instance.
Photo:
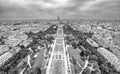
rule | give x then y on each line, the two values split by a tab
1	72
97	71
86	71
74	45
104	68
87	52
49	39
13	71
93	57
68	38
73	60
34	70
82	53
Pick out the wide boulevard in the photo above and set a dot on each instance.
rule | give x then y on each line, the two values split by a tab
59	61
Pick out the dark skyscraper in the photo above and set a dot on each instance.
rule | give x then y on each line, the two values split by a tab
58	18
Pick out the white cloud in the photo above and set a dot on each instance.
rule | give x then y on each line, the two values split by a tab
52	4
90	4
44	4
20	2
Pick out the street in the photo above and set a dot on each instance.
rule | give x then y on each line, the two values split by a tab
58	62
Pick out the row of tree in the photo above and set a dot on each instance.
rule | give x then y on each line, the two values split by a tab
94	55
39	39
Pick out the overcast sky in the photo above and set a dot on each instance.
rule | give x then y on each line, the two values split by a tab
19	9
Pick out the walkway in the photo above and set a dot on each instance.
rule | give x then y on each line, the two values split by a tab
58	62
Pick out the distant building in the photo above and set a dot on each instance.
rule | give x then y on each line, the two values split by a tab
58	18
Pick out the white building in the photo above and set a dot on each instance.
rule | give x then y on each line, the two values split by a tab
110	57
92	42
5	57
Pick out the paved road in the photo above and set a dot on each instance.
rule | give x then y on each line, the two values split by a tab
58	62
